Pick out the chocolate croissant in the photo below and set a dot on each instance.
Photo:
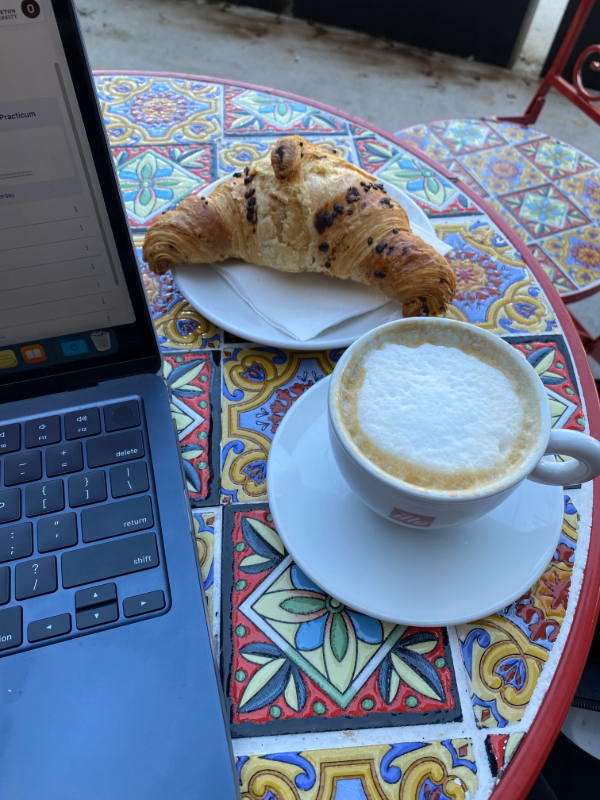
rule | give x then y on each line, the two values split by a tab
306	209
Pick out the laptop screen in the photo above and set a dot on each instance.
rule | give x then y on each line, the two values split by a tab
65	301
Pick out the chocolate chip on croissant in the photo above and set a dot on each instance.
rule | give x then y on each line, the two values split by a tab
303	209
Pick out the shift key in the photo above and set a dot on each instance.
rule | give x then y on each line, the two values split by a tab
123	446
109	560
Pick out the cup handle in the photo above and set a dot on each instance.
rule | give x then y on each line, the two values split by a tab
584	449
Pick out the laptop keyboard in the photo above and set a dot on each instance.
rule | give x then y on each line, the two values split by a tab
80	541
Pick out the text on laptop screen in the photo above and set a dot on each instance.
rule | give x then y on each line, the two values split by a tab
62	287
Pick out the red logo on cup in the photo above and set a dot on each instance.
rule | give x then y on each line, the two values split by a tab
408	518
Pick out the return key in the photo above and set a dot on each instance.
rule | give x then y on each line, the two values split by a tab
114	519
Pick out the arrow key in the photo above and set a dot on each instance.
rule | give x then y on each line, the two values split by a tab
98	615
143	603
97	596
49	628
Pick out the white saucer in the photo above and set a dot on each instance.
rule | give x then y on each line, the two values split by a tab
424	578
213	297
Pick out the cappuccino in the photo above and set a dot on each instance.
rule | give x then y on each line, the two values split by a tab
440	409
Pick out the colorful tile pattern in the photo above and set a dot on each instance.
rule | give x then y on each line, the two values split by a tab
193	383
143	110
543	210
259	386
543	187
297	660
443	770
208	544
155	179
326	703
250	112
504	654
494	287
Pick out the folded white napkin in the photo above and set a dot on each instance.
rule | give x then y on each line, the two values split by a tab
302	305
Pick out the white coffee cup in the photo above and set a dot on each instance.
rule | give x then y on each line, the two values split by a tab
414	506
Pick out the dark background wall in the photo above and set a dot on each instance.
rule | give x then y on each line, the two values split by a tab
486	29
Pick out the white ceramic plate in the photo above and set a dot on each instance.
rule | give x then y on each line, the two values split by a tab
211	295
423	578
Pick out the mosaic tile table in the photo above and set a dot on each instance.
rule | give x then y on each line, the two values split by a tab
325	703
546	189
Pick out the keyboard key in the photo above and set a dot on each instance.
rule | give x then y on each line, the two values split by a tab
143	603
96	596
82	423
4	585
44	498
45	430
54	533
115	519
86	489
64	459
22	468
16	541
109	560
10	438
129	479
122	415
97	616
10	505
36	577
11	627
113	449
49	628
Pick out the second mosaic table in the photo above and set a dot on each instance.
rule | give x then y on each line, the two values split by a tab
402	712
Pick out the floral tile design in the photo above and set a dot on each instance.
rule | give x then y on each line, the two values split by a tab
559	280
259	386
433	192
139	109
515	134
584	191
465	135
457	168
529	157
543	210
296	659
502	169
374	152
156	179
551	360
249	111
517	228
494	286
505	653
442	770
556	159
421	137
541	610
193	382
208	544
501	747
178	325
577	253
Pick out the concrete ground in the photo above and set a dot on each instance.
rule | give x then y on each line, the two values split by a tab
385	82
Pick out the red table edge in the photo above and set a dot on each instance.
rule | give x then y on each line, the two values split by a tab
530	757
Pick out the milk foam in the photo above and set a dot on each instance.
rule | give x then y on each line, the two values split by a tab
438	407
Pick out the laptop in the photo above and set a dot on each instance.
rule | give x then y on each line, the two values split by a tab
108	684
